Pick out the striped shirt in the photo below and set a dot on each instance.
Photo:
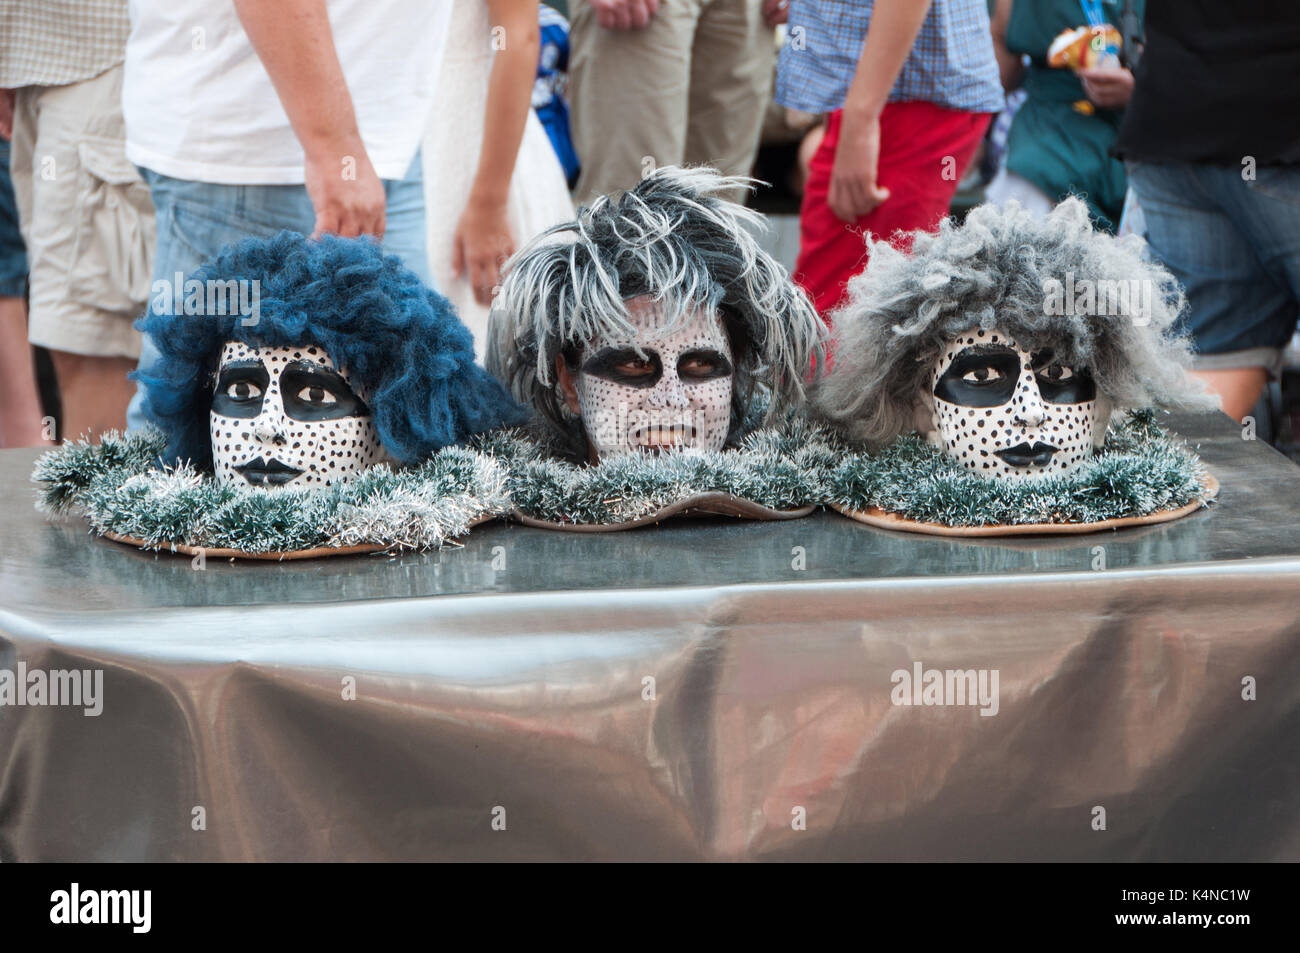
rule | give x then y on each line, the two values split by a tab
58	42
951	63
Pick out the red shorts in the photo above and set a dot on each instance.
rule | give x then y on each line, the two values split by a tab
915	140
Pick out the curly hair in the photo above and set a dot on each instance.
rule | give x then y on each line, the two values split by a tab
672	237
1007	269
401	342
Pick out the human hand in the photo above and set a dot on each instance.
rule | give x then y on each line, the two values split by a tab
346	192
853	190
6	114
481	245
1109	87
776	11
624	14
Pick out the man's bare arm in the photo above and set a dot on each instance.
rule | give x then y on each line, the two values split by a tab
293	40
1011	70
893	29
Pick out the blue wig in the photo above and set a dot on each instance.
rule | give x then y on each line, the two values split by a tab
400	341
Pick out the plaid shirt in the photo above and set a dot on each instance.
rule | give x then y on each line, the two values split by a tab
951	63
57	42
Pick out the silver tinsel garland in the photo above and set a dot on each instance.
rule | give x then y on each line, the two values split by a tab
1141	470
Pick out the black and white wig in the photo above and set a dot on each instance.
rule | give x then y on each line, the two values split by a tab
1050	283
672	237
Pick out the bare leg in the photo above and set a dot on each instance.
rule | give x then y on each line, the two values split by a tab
1239	387
95	393
20	404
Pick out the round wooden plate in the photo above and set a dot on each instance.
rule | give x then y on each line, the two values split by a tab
874	516
701	504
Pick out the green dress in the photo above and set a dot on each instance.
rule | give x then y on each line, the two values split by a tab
1055	146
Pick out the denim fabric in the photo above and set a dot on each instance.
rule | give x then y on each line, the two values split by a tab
13	253
1233	242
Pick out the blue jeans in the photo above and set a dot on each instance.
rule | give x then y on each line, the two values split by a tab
196	219
13	253
1234	245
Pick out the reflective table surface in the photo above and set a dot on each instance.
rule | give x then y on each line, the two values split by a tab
704	689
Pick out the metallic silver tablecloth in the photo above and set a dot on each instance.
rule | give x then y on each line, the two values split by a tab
507	684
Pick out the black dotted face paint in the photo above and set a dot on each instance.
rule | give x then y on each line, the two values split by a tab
1005	413
286	416
658	391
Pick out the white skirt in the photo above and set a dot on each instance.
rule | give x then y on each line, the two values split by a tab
539	195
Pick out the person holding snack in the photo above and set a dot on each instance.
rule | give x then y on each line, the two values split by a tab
1078	83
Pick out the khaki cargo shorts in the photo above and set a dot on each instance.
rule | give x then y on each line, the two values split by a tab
86	217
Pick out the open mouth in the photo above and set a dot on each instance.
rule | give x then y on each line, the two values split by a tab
1024	455
261	472
663	437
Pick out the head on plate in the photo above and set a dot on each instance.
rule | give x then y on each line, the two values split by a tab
337	358
653	322
1007	341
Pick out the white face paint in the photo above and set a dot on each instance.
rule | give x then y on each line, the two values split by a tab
656	392
285	416
1006	413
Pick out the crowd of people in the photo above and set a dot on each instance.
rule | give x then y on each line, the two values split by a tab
143	136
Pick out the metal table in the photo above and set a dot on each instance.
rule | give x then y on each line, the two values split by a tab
703	689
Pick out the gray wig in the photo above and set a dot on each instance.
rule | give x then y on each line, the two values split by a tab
1008	269
672	237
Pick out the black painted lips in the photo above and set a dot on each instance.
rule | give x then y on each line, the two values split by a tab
1023	455
260	472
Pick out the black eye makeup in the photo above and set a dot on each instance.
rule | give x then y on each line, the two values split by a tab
1061	384
704	364
984	375
625	365
312	392
240	388
634	368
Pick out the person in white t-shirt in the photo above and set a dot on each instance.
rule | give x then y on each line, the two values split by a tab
246	118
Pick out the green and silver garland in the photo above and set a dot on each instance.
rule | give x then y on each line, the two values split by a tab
117	488
778	468
1141	470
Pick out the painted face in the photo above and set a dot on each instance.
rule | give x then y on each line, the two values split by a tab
656	392
286	416
1007	413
